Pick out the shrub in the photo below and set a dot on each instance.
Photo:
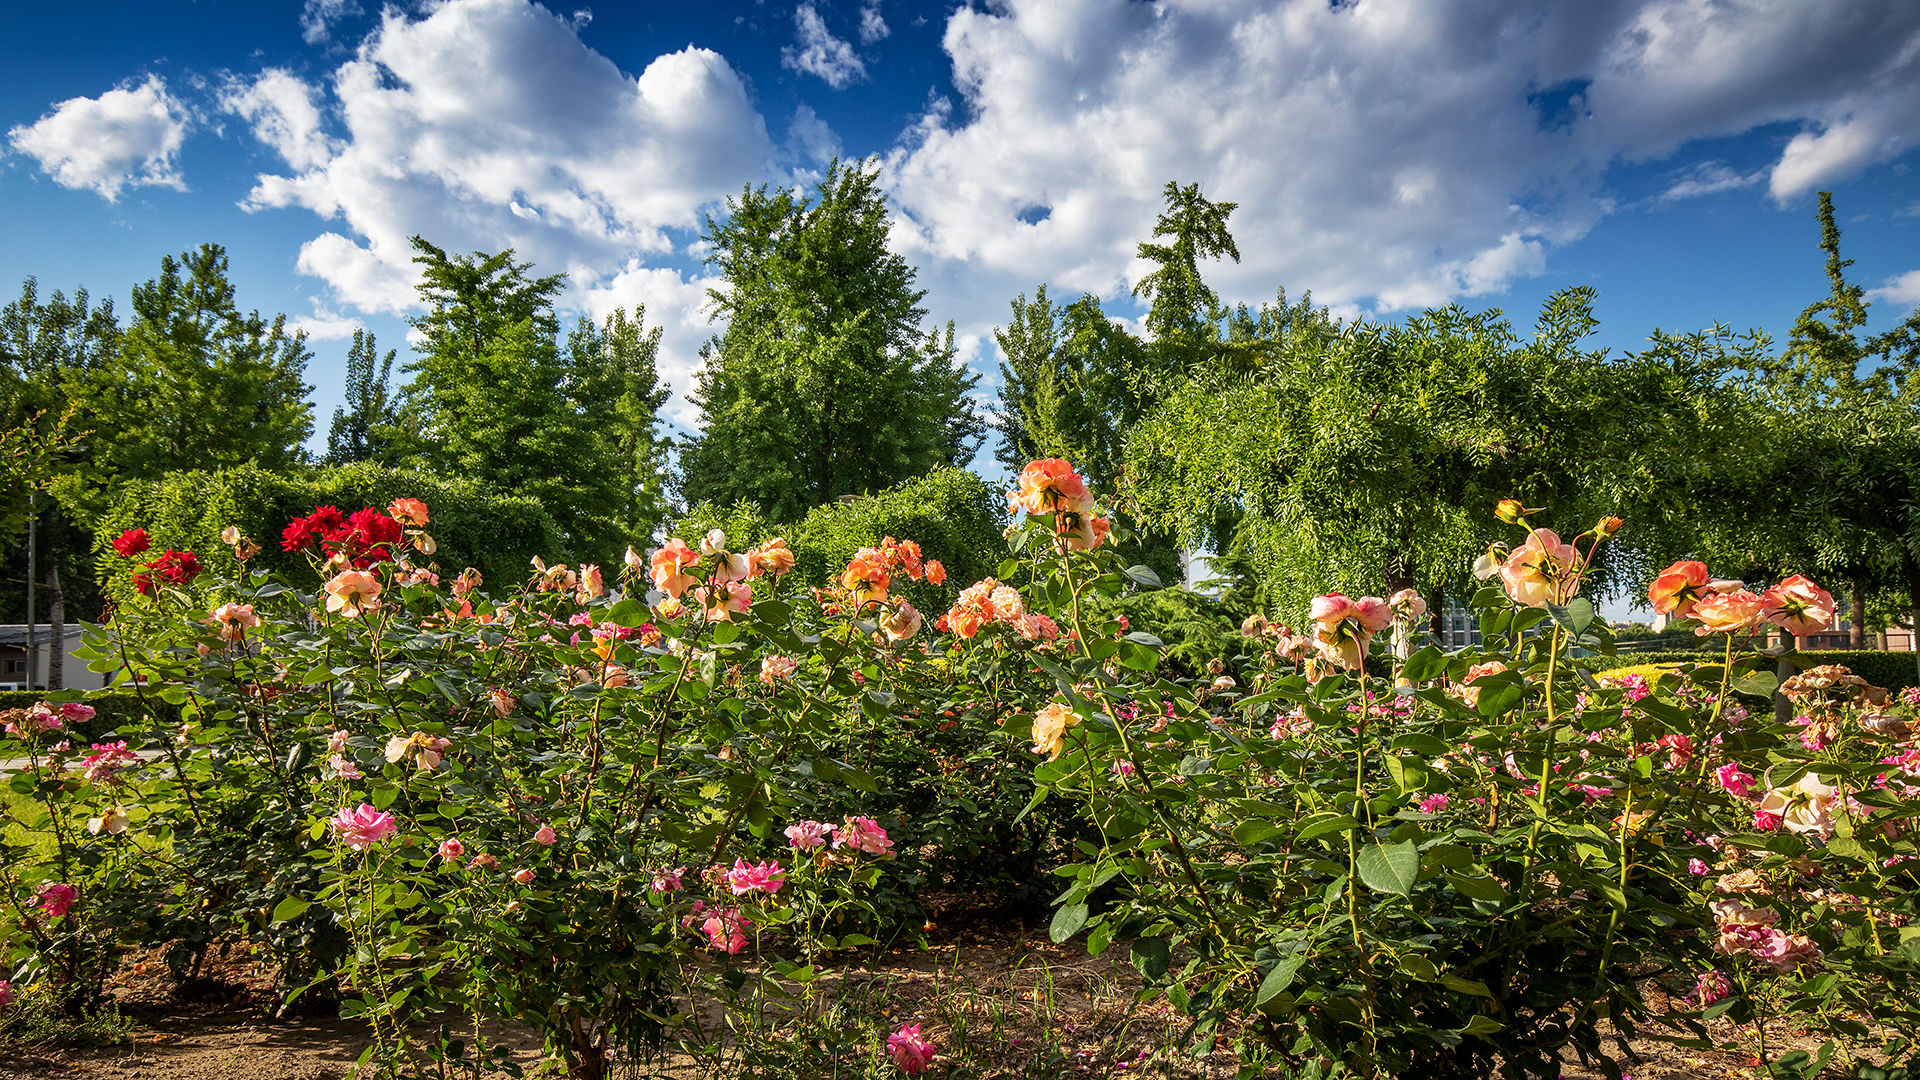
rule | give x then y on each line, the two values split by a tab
491	531
113	710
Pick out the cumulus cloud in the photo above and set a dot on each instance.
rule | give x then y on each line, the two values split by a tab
489	124
129	136
281	110
1902	291
675	303
1388	154
324	323
816	51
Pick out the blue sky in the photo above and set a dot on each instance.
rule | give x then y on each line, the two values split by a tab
1387	154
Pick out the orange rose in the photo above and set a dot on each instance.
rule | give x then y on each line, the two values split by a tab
866	577
936	573
1049	486
1678	587
1542	571
670	564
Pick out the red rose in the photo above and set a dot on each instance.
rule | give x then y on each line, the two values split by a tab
144	583
298	535
178	567
131	543
372	528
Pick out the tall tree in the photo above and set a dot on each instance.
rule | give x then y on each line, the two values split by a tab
822	382
200	384
1065	386
617	389
1182	306
365	427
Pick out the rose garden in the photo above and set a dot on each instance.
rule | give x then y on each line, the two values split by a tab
650	809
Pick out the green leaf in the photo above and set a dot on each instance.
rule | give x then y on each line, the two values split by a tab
1759	684
1478	888
1576	616
1278	979
1067	922
1425	665
289	909
1150	958
1323	823
1481	1024
1143	576
1389	868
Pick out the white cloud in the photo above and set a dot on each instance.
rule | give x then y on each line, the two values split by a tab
489	124
873	26
318	16
1902	291
324	323
1386	155
129	136
817	52
810	138
1709	178
281	110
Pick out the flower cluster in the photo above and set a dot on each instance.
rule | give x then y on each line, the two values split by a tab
362	539
986	602
173	567
1746	931
869	574
1050	486
1685	591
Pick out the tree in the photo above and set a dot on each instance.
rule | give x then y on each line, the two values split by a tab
1182	305
1064	386
198	383
822	382
496	398
1368	457
619	394
366	426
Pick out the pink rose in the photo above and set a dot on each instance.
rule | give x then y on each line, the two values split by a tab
523	875
362	828
6	995
863	834
666	881
807	835
56	899
1330	609
483	861
1738	784
451	850
909	1051
544	834
1433	804
1374	614
746	877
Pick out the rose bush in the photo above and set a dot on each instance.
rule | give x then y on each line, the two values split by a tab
596	802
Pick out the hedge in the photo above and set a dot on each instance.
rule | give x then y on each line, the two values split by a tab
1892	670
952	514
473	525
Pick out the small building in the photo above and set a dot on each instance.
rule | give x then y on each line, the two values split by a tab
13	658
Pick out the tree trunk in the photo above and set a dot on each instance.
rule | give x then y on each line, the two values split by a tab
1857	635
56	629
1912	567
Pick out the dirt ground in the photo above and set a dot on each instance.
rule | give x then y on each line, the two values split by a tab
1000	1002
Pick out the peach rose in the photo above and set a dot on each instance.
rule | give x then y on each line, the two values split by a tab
903	623
408	511
1727	612
353	592
1330	609
1050	728
232	621
771	557
670	564
1798	605
1542	571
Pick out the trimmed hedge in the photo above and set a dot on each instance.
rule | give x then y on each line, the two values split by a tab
952	514
473	525
1892	670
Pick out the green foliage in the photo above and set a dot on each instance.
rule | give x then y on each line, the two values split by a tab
492	532
1196	630
198	384
953	515
365	427
822	383
497	398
